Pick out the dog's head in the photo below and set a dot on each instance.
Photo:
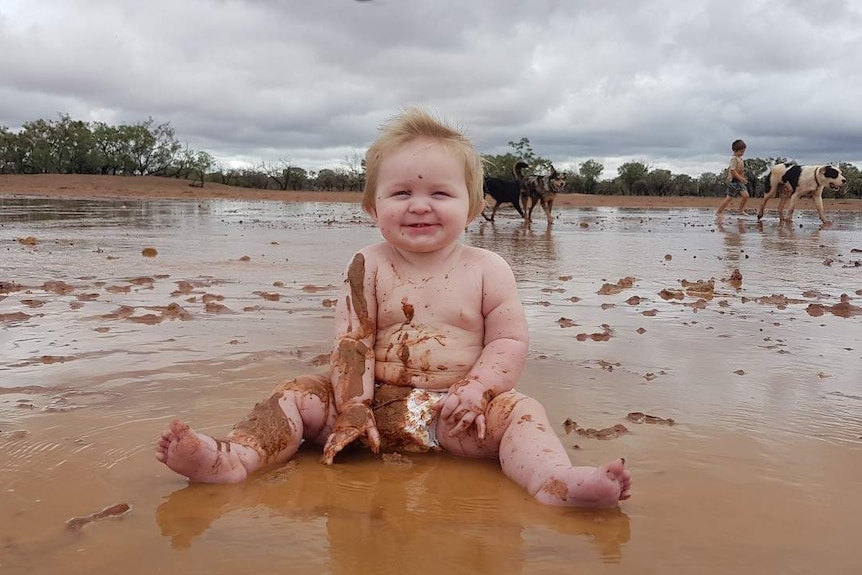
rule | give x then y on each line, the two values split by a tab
832	177
557	180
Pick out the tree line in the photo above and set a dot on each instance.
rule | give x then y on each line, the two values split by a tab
67	146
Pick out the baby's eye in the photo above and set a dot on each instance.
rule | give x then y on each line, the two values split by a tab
441	193
401	193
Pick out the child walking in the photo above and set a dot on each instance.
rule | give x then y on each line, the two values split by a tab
430	340
737	183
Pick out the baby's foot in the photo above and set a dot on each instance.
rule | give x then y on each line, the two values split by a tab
200	457
601	486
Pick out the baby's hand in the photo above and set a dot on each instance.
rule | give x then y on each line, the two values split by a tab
465	406
355	421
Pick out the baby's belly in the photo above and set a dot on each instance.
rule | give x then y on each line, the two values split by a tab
423	369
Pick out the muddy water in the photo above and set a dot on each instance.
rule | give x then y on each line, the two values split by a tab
101	346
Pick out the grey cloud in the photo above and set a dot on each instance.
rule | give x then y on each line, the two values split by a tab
661	81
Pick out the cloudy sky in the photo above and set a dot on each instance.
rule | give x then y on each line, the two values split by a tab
667	82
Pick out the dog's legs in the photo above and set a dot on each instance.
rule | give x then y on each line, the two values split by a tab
494	210
818	203
783	201
548	205
817	196
527	209
766	197
517	205
530	211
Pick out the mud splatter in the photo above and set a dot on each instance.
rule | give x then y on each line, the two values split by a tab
668	294
641	417
57	287
612	289
842	309
604	335
699	288
349	363
149	252
618	430
408	310
269	296
117	510
779	300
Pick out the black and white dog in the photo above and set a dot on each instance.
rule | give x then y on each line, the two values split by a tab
505	191
792	181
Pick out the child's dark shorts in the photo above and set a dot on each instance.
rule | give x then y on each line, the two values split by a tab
735	188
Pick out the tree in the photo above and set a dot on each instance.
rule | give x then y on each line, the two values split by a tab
500	166
853	187
8	151
201	164
659	183
524	151
355	169
629	173
711	185
590	172
297	178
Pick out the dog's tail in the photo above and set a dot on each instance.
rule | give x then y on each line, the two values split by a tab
518	170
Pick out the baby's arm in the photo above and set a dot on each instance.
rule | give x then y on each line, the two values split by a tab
352	360
503	355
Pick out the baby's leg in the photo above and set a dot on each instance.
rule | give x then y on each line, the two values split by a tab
532	455
298	410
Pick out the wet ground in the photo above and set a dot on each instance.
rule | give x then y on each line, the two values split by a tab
723	361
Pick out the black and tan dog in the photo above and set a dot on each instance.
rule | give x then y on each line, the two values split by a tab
505	191
791	182
541	189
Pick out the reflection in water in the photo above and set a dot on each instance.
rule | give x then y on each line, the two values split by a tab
524	247
399	518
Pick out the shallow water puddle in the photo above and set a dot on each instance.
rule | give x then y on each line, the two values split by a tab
746	337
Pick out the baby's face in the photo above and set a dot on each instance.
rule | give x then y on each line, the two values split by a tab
421	198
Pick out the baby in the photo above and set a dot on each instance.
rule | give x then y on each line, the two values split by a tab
430	340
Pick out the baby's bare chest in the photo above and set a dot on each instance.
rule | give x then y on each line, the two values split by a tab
451	300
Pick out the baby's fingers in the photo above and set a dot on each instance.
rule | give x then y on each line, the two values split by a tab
448	406
373	438
463	425
337	441
480	427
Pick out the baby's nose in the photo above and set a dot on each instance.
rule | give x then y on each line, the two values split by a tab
419	204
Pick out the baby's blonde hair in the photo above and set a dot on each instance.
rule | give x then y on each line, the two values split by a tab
413	123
